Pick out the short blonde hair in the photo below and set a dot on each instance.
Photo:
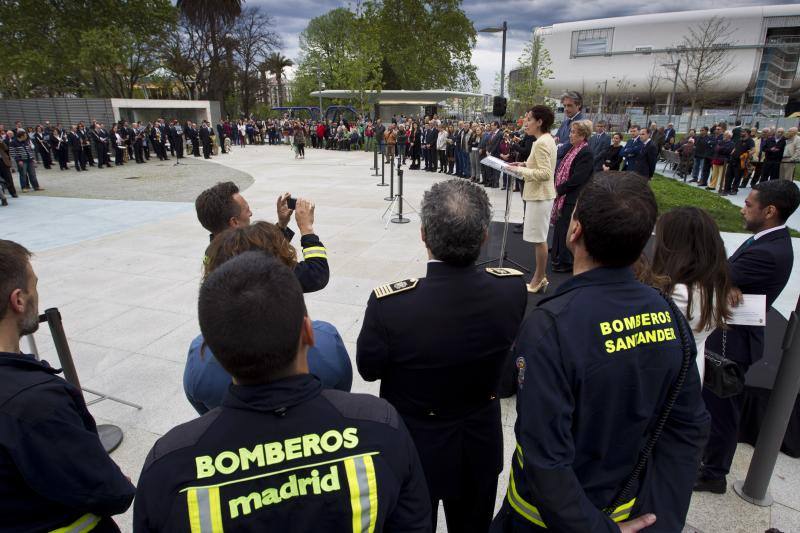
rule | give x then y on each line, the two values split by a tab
583	128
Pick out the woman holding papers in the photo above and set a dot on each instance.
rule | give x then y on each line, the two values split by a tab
690	257
539	190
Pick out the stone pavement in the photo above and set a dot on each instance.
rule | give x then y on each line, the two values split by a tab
125	276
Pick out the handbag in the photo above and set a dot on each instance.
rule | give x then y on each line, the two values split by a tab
723	377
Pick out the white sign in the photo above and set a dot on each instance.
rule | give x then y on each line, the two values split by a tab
751	312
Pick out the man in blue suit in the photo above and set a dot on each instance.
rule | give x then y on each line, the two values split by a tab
645	163
761	265
572	102
632	149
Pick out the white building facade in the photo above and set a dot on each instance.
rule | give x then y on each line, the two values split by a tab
632	58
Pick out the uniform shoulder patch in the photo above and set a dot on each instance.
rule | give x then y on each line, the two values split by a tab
503	272
394	288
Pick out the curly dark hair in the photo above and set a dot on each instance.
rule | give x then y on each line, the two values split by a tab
261	236
216	206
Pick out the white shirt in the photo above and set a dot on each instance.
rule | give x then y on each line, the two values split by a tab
770	230
680	295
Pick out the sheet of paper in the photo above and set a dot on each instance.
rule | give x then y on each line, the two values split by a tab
494	162
751	312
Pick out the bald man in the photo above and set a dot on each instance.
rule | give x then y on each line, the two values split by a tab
791	154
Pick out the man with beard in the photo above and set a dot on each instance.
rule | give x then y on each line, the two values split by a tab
54	472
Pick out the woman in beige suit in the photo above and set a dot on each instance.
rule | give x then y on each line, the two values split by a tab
539	189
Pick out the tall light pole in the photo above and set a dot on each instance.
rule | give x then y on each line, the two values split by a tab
677	67
319	89
504	29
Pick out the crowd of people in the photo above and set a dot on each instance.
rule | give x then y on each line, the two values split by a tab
281	443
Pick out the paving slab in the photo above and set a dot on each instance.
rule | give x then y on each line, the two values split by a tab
125	273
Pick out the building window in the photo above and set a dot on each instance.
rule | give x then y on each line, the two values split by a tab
592	42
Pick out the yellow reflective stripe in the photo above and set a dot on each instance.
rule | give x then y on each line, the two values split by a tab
372	484
194	511
314	248
205	513
216	510
310	256
83	524
315	251
355	494
531	513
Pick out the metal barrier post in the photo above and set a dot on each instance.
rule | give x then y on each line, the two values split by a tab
400	218
391	179
754	488
383	168
110	435
375	159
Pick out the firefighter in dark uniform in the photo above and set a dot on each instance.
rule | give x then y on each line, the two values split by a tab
54	473
605	368
280	454
438	344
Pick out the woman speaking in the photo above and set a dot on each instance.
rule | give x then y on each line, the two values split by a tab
539	191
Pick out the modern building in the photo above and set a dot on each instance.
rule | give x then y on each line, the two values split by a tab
401	102
632	60
65	110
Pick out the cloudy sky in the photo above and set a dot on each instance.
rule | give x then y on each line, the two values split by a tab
292	16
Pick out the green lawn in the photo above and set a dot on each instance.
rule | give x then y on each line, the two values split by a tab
671	194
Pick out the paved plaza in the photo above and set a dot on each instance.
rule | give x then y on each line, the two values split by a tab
121	259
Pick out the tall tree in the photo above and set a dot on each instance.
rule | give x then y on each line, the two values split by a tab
526	88
704	54
360	49
275	64
214	20
254	43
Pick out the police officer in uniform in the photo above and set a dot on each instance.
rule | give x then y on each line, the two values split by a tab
438	344
280	454
54	473
605	368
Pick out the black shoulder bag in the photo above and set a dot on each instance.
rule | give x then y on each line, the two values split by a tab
723	377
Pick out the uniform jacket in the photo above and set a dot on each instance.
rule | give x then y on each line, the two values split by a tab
439	350
760	267
285	456
53	468
592	379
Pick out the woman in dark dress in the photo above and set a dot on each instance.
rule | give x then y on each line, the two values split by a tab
415	141
572	174
612	156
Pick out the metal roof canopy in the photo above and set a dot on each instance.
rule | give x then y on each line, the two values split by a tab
395	97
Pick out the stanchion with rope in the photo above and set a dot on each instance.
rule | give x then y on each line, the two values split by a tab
383	169
755	487
375	159
398	201
110	435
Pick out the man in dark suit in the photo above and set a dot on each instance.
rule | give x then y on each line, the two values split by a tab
761	265
493	149
205	139
598	142
438	346
773	153
430	139
573	104
669	133
645	163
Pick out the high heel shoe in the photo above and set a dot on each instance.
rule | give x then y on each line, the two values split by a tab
540	287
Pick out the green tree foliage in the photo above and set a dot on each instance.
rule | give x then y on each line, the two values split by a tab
275	64
360	49
81	47
526	87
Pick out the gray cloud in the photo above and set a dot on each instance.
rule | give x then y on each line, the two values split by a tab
292	16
